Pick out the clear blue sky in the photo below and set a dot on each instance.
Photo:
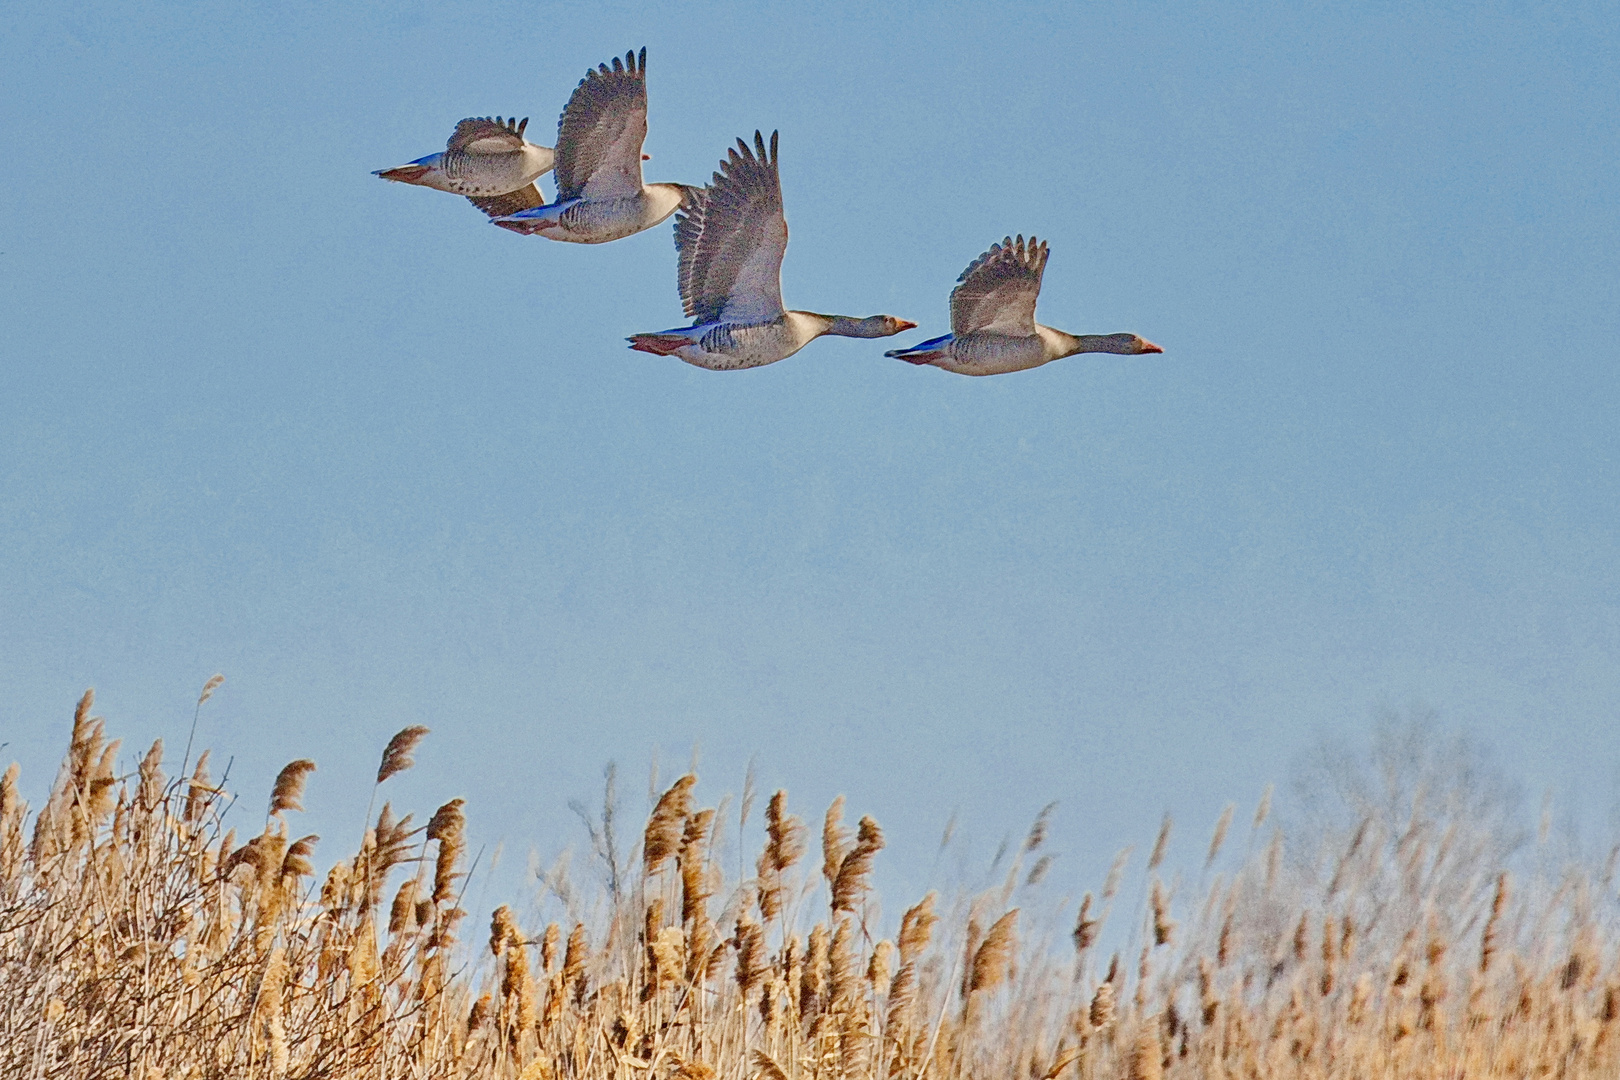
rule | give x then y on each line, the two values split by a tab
382	463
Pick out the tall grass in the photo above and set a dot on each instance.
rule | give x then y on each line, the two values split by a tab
140	936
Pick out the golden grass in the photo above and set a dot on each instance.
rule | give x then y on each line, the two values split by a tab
140	938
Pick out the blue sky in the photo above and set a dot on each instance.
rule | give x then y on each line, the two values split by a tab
381	463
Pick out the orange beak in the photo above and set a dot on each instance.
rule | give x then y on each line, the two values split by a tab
906	324
1148	346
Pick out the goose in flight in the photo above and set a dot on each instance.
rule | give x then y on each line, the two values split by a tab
731	237
600	193
488	160
993	327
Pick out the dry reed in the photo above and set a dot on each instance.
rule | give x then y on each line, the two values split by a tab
139	938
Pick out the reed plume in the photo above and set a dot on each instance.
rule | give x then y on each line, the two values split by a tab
834	842
1163	927
750	944
694	862
1488	939
549	943
786	833
1160	846
849	884
1263	809
783	850
916	928
662	838
1085	927
1218	838
1102	1006
289	786
214	683
397	756
993	959
1116	873
813	974
448	826
573	967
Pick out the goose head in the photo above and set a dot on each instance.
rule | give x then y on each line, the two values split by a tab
1135	344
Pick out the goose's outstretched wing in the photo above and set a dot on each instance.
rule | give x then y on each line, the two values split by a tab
496	206
731	237
487	135
997	291
600	133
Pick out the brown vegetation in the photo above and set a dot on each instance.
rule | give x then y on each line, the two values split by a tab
140	937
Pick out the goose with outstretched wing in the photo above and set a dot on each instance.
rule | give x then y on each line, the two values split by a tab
600	192
731	237
487	160
993	327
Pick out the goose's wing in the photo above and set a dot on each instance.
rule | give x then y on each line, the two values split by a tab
731	237
496	206
487	135
600	133
997	291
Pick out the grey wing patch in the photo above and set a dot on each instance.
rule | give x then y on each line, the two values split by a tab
496	206
600	132
487	135
731	237
997	291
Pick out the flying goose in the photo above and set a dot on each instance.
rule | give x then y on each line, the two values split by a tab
993	327
600	193
731	237
487	160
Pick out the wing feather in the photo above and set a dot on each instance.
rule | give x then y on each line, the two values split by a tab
997	292
731	237
487	135
600	133
495	206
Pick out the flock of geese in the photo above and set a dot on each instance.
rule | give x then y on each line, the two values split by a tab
730	236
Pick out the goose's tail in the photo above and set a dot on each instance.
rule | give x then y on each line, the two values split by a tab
658	344
404	174
925	353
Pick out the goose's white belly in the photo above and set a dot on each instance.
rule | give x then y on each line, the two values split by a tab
598	221
486	175
725	347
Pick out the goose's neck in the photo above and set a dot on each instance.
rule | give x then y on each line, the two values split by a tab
1109	343
665	199
845	326
1063	344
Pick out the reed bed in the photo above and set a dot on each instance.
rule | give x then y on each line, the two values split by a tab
141	936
